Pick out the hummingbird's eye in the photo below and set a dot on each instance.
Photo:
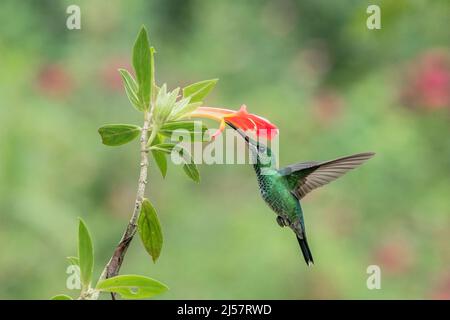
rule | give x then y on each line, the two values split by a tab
261	149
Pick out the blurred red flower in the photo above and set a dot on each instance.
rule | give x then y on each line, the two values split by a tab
395	257
53	80
442	289
426	82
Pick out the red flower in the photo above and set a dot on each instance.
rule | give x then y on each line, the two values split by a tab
53	80
396	257
427	82
240	119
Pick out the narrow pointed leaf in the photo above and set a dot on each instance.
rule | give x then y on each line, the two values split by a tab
179	105
197	131
85	254
190	107
61	297
198	91
150	230
189	167
118	134
153	87
160	156
164	147
142	67
132	286
131	88
191	171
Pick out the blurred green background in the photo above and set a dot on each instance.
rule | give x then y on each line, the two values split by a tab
312	67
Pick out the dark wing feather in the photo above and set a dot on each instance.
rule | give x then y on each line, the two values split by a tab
307	176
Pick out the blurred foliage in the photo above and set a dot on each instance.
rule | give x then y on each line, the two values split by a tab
312	67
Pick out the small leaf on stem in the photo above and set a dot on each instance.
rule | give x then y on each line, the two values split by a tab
159	156
118	134
150	230
85	254
132	89
164	147
61	297
189	167
191	171
132	286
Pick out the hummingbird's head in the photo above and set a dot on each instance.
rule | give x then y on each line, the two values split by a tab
262	153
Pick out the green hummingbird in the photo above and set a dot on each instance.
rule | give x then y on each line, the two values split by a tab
282	189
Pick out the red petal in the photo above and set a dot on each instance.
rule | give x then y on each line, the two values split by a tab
242	123
263	127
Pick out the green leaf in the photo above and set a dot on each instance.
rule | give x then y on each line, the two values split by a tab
118	134
131	88
179	105
196	129
150	230
153	87
185	110
74	261
198	91
132	286
164	147
191	171
85	254
159	156
143	67
165	103
189	167
61	297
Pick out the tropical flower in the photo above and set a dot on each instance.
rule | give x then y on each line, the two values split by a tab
240	119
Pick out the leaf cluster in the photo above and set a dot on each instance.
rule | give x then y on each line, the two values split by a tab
167	108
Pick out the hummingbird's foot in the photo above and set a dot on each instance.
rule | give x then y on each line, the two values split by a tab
281	222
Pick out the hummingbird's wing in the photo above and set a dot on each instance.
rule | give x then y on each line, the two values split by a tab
307	176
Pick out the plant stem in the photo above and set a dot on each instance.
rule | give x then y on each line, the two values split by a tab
113	266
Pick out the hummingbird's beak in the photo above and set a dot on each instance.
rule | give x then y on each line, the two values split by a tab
242	134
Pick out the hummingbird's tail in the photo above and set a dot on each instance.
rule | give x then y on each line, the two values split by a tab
305	250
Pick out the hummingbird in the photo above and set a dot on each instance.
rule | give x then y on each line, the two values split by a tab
283	189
